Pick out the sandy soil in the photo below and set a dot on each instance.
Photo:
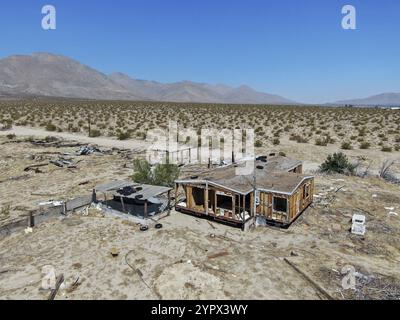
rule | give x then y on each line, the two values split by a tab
181	260
178	261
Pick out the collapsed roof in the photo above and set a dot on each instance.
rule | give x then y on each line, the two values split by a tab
270	175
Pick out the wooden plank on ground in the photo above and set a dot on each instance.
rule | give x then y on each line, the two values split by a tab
312	282
53	293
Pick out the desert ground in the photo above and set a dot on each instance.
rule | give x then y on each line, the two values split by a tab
192	258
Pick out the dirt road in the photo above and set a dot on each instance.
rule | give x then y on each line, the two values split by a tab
100	141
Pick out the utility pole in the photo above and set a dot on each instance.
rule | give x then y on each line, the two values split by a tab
254	187
89	123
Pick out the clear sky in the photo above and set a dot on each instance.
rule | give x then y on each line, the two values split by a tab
294	48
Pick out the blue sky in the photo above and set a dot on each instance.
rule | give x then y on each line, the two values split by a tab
295	48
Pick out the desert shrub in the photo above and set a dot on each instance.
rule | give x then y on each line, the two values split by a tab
365	145
321	142
258	144
346	146
142	171
123	135
6	125
276	142
337	163
162	175
51	127
11	136
298	138
386	149
165	174
5	212
50	139
94	133
301	140
141	135
397	147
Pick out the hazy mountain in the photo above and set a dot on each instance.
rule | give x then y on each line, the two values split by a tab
195	92
50	75
44	74
384	99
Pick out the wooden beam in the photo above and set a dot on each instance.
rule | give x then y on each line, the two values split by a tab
145	209
53	293
312	282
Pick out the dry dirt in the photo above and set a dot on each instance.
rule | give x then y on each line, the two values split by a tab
189	259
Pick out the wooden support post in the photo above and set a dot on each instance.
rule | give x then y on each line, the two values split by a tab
145	210
252	195
239	204
244	204
190	155
206	198
176	194
123	205
169	202
94	196
31	220
233	203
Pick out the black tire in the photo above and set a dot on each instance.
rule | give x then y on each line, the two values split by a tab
144	228
158	226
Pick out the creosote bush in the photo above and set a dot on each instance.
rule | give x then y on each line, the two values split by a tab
338	163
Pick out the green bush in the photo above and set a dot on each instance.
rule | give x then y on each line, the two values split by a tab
276	142
51	127
337	163
142	171
165	175
258	144
162	175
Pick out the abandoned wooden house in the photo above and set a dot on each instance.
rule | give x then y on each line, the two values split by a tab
277	193
140	200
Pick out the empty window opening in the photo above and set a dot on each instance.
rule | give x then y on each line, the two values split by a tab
306	191
224	202
280	204
198	196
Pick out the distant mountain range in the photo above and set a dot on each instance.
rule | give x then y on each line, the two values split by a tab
384	99
49	75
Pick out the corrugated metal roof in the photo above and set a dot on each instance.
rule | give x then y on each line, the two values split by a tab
146	191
